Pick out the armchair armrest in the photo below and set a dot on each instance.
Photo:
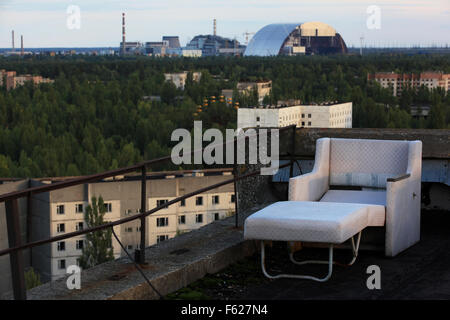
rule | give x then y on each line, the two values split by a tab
308	187
313	185
403	204
399	177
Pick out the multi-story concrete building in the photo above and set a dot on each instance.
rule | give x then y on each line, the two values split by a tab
263	89
179	78
397	82
308	116
12	80
62	211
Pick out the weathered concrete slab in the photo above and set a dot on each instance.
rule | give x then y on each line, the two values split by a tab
172	264
436	143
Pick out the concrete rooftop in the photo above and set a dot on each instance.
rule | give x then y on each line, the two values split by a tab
421	272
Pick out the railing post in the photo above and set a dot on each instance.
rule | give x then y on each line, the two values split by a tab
143	219
29	226
291	170
16	257
235	173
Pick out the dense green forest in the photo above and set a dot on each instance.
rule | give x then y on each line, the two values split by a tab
94	117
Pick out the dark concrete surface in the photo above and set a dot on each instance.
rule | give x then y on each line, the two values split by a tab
421	272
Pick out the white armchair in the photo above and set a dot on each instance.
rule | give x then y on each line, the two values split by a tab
388	174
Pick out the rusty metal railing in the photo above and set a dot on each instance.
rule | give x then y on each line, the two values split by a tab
13	221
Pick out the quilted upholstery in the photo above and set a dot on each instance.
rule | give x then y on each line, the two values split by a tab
375	200
308	221
354	162
366	163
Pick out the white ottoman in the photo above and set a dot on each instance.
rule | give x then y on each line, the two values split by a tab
308	221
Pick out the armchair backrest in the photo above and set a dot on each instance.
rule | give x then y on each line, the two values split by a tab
366	163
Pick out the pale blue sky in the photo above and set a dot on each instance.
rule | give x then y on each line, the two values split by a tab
43	22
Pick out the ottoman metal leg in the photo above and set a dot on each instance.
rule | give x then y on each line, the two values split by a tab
330	267
355	250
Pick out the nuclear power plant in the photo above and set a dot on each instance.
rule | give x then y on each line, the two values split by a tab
289	39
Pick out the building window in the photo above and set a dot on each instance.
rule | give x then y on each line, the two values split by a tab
129	229
162	238
303	115
61	264
161	202
138	229
309	115
78	261
108	207
303	123
162	222
60	209
233	198
258	118
61	246
80	244
199	201
183	203
182	219
309	123
199	218
80	226
61	227
130	247
216	216
215	200
79	208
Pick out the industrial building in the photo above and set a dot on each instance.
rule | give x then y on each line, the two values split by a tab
296	39
213	45
305	116
397	82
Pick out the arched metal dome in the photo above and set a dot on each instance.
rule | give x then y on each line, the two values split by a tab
269	40
296	38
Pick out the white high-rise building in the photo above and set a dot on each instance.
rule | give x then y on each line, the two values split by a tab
308	116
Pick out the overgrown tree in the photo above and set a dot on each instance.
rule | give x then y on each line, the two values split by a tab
32	279
98	245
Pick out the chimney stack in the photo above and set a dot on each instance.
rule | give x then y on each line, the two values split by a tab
215	27
123	33
13	40
21	45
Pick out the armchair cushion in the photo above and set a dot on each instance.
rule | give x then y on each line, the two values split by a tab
376	201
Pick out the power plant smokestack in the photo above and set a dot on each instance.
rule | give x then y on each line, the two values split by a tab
123	33
13	40
215	27
21	45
